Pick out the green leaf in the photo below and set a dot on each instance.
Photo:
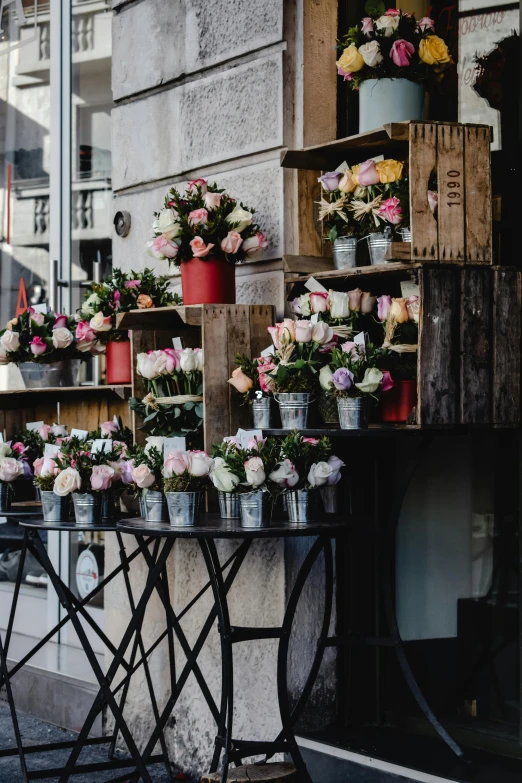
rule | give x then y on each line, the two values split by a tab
151	417
375	8
188	406
199	410
333	234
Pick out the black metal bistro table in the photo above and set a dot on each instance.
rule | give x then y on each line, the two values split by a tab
34	533
228	747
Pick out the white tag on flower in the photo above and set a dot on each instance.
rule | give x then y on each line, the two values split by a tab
360	339
34	426
40	308
115	421
177	344
314	318
270	351
101	444
82	434
409	288
342	168
314	285
245	436
173	444
51	449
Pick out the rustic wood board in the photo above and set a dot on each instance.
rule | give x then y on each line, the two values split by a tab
423	161
399	251
160	318
238	341
307	264
475	346
438	352
477	181
384	270
268	773
216	393
451	185
507	303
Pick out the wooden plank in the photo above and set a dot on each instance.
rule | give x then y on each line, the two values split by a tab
384	270
266	773
451	186
160	318
309	242
507	302
215	374
399	251
319	84
238	341
307	264
438	350
475	346
422	162
261	317
477	183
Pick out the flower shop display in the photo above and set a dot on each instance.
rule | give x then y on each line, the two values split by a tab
305	466
399	317
120	293
45	348
390	57
250	379
173	380
55	508
11	469
353	376
114	430
186	478
205	232
147	476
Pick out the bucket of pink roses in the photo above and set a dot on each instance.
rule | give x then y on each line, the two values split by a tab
186	480
250	379
148	477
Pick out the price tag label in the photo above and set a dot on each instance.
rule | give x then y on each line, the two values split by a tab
101	444
246	435
41	308
82	434
177	344
34	426
314	285
270	351
409	288
51	449
173	444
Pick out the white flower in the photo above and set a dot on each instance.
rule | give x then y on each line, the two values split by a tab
339	307
10	341
371	381
371	53
62	337
304	304
143	476
241	217
188	360
322	333
60	430
200	463
325	377
319	474
90	306
67	481
146	365
222	477
285	474
336	464
387	24
10	469
255	471
154	442
167	224
101	323
5	450
199	360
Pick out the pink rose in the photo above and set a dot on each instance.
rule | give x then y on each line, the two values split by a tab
198	216
107	428
256	443
347	76
265	381
37	346
199	249
193	183
60	321
426	24
349	347
253	244
319	301
401	52
367	25
36	318
354	299
143	476
212	200
18	448
391	211
303	331
287	331
273	331
101	477
173	360
84	331
44	431
165	246
387	382
177	462
312	441
383	307
367	302
231	243
368	174
133	284
392	12
38	465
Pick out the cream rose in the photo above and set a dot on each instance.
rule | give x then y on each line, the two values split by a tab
387	24
222	477
322	333
319	474
200	464
241	217
339	304
371	53
143	476
62	337
285	474
255	472
10	469
167	224
371	381
101	323
10	341
67	481
325	378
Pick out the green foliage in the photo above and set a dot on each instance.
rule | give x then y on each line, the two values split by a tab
304	452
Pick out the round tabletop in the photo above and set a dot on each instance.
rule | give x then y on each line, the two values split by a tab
21	514
71	527
213	526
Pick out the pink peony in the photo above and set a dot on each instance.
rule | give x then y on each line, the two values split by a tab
368	174
401	52
60	321
199	249
165	246
198	216
193	183
367	25
232	242
391	211
133	284
37	346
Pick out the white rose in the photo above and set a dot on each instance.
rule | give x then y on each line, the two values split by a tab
167	224
339	307
241	217
188	360
199	360
222	477
101	323
255	471
146	365
336	464
62	337
143	476
10	469
325	377
371	381
154	442
387	24
90	306
319	474
67	481
322	333
10	341
5	450
200	463
285	474
304	304
371	53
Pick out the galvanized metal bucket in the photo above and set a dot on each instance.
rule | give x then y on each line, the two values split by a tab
229	505
58	374
5	497
254	509
143	510
88	508
54	507
344	252
330	498
352	413
155	506
301	505
378	244
184	508
294	408
261	413
405	234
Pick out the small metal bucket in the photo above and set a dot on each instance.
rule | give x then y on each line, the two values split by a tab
5	497
184	508
330	498
111	505
229	505
88	508
261	413
352	413
378	244
301	505
155	506
405	234
327	407
54	507
294	408
344	252
253	508
143	510
37	375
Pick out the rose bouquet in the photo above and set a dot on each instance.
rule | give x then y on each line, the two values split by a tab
186	478
39	337
174	383
336	308
11	469
116	431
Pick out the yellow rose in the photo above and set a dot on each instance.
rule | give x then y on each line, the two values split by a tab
433	50
350	60
355	173
347	182
389	170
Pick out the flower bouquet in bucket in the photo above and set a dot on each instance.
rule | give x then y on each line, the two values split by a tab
205	232
390	57
11	469
305	466
148	479
186	479
250	379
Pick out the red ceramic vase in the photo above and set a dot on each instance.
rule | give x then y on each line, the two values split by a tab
208	281
397	403
118	355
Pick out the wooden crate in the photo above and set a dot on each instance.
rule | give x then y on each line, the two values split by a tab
461	232
222	331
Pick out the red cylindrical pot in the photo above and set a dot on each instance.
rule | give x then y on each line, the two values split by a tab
397	403
208	281
118	355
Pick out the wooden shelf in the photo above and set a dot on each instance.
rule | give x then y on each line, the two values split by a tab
160	317
123	391
374	430
357	271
